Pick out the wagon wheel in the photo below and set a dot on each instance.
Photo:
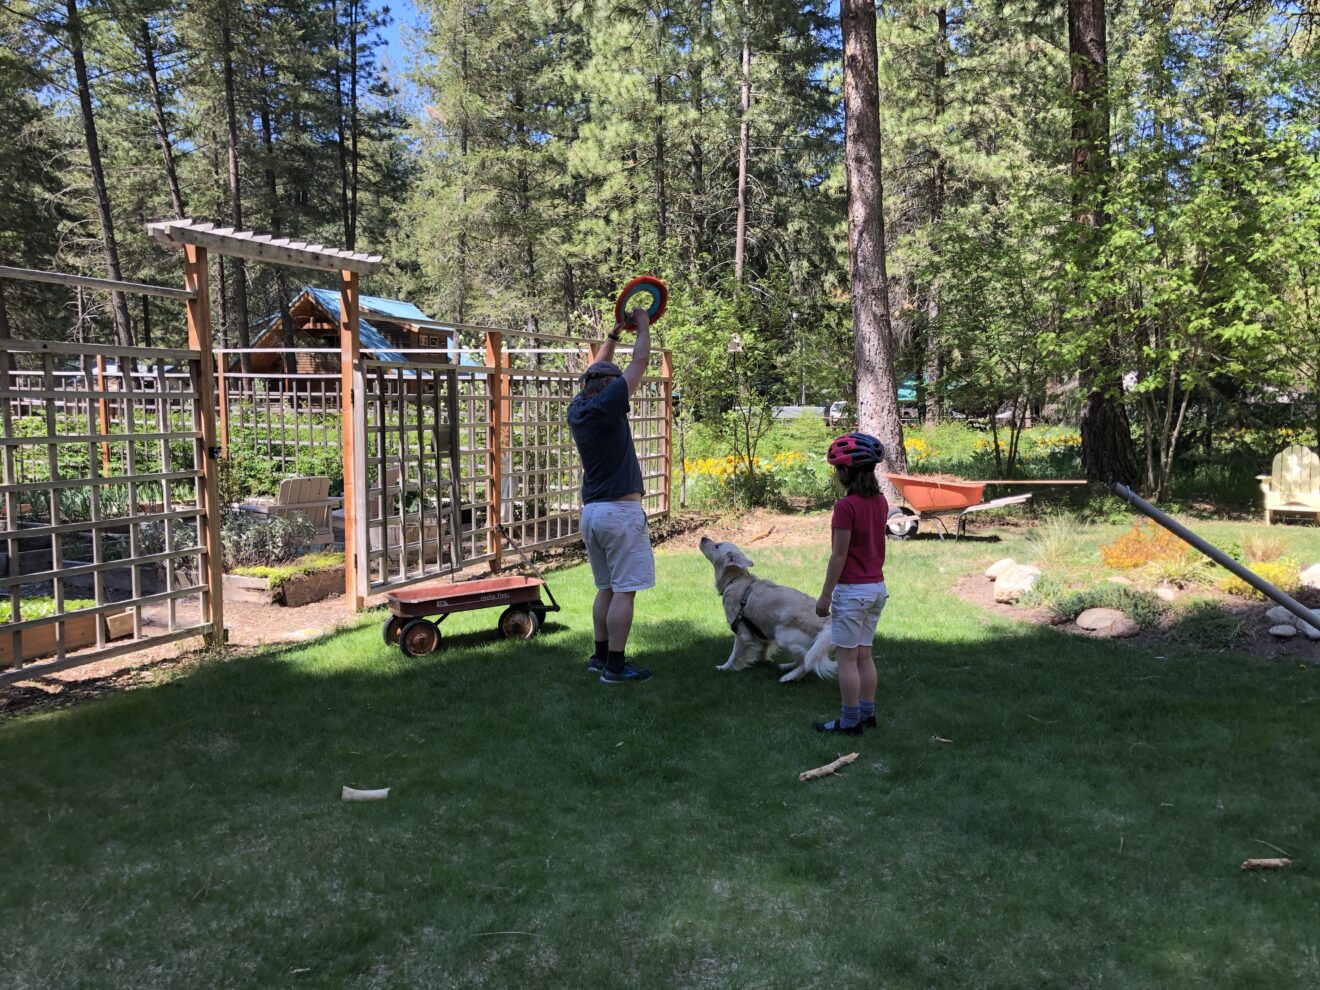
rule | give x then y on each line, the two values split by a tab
540	611
419	637
902	523
519	622
393	629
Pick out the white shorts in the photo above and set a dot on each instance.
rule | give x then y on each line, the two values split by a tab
618	545
854	613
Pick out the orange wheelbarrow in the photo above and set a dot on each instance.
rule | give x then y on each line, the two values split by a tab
926	498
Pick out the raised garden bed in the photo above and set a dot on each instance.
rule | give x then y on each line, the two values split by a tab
307	579
79	630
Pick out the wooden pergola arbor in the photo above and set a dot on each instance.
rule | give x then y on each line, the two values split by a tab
196	240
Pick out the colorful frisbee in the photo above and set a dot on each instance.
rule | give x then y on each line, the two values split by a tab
632	296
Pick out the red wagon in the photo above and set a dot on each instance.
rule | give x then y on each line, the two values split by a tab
927	498
414	625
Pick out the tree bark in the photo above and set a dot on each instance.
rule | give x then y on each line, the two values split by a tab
934	363
661	220
162	127
1108	453
696	153
744	141
273	209
351	231
5	332
877	397
235	191
118	303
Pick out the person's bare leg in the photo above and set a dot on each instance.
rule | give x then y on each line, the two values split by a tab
850	682
619	619
867	677
600	610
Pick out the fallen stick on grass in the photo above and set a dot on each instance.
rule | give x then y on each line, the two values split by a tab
762	536
1266	864
353	794
828	768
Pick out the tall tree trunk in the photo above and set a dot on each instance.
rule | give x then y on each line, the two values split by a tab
661	222
268	82
934	364
351	239
5	332
235	191
341	141
877	397
744	140
1107	450
525	205
460	290
162	128
118	303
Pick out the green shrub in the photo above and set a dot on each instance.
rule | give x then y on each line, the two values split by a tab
40	608
1058	540
1203	623
1141	607
251	540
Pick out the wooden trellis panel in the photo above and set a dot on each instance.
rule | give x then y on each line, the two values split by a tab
104	502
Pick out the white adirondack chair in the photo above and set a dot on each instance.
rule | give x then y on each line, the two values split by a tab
1293	484
308	497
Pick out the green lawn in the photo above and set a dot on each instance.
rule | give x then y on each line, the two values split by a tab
1083	828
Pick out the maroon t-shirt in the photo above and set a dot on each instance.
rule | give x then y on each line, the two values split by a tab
865	517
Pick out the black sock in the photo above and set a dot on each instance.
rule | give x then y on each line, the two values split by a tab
602	648
614	662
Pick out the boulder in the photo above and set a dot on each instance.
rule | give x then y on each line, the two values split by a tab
1280	616
1283	631
1311	630
1120	628
999	566
1310	577
1165	593
1099	619
1119	579
1015	582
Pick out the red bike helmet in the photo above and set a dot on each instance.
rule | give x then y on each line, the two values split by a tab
855	450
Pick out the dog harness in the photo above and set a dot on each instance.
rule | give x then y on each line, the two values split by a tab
741	619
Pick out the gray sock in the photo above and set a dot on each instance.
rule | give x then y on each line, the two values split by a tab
849	715
867	710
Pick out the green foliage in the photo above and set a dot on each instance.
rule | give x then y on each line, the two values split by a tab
1059	540
278	574
1203	623
1141	607
35	607
1284	574
251	540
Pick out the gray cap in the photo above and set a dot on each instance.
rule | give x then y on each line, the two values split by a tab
602	369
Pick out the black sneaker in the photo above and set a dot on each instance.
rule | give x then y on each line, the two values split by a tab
834	728
870	723
595	665
629	673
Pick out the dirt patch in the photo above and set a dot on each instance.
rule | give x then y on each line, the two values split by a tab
1253	636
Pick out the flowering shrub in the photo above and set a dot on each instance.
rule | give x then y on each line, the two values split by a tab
1143	544
725	482
918	451
1282	573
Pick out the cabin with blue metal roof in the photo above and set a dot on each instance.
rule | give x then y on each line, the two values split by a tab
387	326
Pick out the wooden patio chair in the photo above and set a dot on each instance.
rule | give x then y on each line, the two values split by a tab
1293	484
309	497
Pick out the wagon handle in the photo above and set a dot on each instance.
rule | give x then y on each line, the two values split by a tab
499	527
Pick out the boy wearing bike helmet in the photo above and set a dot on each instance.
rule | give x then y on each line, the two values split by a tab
854	594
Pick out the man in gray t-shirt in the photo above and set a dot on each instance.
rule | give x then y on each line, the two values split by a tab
613	517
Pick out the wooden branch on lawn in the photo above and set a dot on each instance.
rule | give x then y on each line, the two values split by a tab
1266	864
829	768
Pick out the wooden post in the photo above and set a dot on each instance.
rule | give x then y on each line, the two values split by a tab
353	427
195	279
495	486
667	395
224	406
103	411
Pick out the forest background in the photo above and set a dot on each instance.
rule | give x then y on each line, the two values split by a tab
516	162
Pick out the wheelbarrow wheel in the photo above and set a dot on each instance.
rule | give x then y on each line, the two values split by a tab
393	629
419	637
518	622
902	523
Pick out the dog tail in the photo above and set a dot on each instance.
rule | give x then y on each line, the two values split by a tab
818	659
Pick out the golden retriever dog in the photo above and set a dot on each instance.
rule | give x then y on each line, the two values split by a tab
766	616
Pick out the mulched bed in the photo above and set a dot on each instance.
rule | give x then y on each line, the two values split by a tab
1254	637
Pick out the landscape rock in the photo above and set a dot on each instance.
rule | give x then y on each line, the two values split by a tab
1121	628
1119	579
1099	619
1310	577
1015	582
1280	616
1283	631
1165	594
999	566
1310	630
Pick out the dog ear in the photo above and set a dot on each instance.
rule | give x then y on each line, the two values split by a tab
736	558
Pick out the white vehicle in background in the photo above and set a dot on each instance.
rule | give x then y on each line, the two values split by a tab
837	414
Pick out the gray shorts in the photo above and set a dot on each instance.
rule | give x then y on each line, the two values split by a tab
854	613
618	545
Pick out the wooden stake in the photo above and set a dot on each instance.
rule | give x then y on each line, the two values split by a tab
197	282
1266	864
353	431
495	487
828	768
